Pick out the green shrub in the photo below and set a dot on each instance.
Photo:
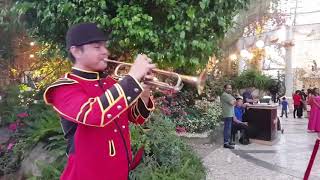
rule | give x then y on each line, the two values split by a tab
214	86
30	122
18	99
10	160
252	78
167	156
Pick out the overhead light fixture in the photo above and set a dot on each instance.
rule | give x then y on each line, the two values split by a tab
260	44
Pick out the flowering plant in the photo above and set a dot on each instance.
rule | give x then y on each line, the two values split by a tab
16	103
189	114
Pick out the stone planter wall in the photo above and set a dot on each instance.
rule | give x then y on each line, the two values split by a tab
213	136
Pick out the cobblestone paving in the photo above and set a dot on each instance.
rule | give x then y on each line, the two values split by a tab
285	160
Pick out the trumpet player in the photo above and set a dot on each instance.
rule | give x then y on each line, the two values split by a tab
96	109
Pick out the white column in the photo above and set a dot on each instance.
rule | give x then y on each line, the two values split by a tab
288	59
288	68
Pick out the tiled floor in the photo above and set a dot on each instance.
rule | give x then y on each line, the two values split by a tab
287	159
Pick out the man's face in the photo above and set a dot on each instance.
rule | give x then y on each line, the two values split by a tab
228	89
239	102
91	57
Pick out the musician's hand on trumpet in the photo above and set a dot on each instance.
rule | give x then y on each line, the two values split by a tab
141	67
146	93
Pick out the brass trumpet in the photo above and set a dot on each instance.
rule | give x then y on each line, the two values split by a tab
198	82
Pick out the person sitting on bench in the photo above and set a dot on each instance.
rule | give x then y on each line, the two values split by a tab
238	123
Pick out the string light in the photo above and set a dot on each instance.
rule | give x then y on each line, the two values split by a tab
31	55
32	43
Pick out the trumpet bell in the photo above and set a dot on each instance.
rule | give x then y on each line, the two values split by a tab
199	82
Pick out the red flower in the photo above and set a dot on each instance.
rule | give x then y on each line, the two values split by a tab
10	146
180	129
23	115
13	126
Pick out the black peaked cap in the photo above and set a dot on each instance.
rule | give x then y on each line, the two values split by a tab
84	33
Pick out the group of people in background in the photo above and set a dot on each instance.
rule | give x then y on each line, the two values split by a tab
299	104
309	102
234	107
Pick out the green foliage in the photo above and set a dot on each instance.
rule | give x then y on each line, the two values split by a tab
214	86
16	100
10	160
167	156
41	124
45	127
182	34
252	78
9	29
50	66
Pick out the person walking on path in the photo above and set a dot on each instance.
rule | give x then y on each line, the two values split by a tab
297	103
227	103
284	108
309	97
304	97
314	118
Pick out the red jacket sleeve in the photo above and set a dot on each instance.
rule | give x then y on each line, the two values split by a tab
70	100
139	111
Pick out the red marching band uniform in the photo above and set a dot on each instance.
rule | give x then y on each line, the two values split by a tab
95	111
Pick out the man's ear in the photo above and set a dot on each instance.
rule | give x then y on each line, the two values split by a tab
75	51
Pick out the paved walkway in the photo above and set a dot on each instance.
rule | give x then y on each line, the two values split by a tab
286	160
